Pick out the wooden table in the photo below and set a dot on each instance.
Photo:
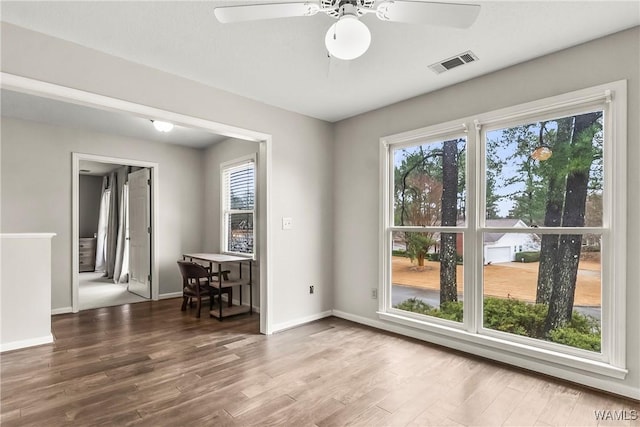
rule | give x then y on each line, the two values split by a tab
220	259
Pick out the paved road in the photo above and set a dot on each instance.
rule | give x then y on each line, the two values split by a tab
402	293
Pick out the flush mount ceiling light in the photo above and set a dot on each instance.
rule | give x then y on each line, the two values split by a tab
349	38
162	126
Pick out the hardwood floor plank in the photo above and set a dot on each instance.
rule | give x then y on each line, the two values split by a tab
484	395
409	402
257	415
305	413
354	409
369	417
500	409
149	364
219	418
560	406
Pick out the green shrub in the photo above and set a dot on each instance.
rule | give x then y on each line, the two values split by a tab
530	256
515	316
581	332
571	337
399	253
436	257
451	310
448	310
433	257
415	306
518	317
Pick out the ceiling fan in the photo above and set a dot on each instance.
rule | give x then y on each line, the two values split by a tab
349	38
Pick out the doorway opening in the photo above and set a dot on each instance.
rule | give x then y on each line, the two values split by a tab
114	260
122	243
69	95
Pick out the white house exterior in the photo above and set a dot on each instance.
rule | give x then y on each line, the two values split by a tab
502	247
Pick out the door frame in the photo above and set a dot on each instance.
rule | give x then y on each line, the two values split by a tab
66	94
147	231
75	218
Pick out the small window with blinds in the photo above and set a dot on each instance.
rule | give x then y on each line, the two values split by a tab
238	206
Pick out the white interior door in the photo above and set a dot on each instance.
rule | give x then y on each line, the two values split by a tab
140	233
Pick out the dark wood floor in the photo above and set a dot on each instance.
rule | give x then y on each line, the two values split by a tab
150	364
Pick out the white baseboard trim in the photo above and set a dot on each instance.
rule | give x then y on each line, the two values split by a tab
358	319
170	295
61	310
15	345
300	321
597	382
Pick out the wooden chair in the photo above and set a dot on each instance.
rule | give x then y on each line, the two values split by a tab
197	283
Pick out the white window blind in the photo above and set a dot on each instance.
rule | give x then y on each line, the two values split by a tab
238	204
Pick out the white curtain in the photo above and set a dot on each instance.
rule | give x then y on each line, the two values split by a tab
103	220
112	227
112	249
121	272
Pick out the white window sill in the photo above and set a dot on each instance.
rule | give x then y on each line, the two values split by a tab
465	341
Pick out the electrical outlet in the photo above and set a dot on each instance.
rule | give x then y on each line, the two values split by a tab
312	289
374	293
287	223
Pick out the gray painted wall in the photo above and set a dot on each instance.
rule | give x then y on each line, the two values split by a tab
89	195
39	199
356	161
302	162
214	156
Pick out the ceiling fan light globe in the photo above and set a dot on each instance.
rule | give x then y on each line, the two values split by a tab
348	38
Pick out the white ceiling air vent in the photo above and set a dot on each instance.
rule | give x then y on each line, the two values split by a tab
453	62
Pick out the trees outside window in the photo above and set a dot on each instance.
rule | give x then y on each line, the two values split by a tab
429	195
488	237
553	192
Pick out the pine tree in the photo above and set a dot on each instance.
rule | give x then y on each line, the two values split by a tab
573	215
448	262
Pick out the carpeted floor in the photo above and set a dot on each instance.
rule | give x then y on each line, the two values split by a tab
97	291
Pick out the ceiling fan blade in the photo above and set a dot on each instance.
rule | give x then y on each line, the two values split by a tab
431	13
256	12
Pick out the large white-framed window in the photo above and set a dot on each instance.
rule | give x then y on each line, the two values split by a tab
507	229
238	206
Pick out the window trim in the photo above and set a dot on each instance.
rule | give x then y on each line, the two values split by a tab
612	359
240	161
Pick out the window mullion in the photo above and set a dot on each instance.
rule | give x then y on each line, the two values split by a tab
472	307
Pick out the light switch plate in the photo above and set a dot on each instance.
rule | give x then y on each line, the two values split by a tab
287	223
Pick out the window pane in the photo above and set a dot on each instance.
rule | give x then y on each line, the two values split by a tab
547	173
549	290
240	233
426	274
429	184
241	186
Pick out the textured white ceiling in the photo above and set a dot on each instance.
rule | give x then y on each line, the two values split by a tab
88	167
58	113
283	62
